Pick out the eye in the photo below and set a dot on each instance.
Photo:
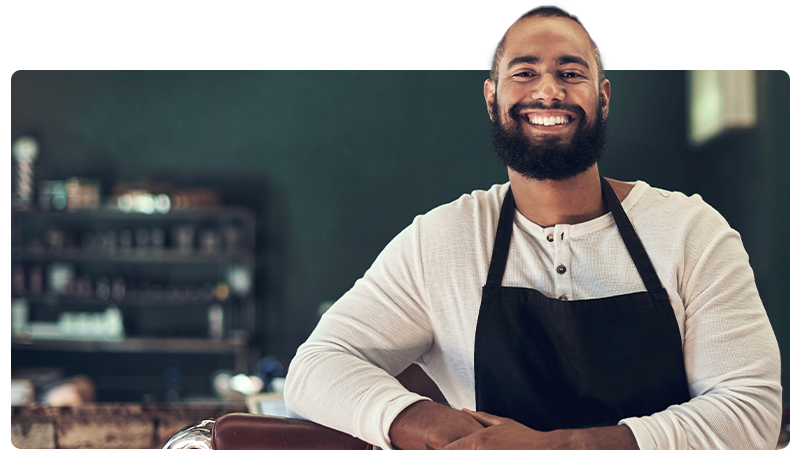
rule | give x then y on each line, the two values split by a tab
571	75
524	74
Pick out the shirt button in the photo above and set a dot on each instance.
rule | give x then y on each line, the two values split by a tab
550	237
561	269
563	298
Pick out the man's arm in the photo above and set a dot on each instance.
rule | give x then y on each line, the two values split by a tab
730	351
342	376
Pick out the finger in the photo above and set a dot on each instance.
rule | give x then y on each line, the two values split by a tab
466	443
484	418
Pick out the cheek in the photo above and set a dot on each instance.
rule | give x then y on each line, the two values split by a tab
510	94
589	101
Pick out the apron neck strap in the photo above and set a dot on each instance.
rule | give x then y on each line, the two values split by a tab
502	241
631	239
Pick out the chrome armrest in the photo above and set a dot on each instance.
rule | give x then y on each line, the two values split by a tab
196	435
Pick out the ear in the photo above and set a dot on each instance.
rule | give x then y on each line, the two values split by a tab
489	95
605	96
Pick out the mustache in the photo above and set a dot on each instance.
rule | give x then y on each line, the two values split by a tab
558	106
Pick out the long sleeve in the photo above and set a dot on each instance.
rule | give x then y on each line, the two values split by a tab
730	352
342	376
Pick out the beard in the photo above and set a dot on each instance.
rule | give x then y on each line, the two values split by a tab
549	158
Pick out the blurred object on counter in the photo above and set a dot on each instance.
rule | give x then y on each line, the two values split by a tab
65	282
233	237
35	281
276	385
209	240
17	280
73	391
216	321
103	239
54	238
19	317
222	291
52	195
149	197
118	288
25	150
240	280
22	392
272	373
102	288
146	197
83	286
74	194
183	238
27	381
61	278
71	326
236	388
104	326
195	198
158	239
82	194
143	202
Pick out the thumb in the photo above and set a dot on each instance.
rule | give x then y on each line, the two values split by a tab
484	418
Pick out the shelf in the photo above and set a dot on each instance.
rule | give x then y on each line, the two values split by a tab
135	345
135	301
134	256
115	214
186	277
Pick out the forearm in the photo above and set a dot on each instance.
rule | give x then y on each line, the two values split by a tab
342	376
343	392
618	437
432	424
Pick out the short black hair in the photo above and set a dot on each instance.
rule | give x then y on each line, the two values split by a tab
546	11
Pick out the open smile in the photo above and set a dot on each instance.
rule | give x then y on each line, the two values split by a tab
549	118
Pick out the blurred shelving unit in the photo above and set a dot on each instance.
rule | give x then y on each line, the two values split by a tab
94	283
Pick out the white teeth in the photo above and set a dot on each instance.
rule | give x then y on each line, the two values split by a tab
549	121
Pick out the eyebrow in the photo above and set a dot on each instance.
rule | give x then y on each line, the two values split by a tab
562	60
570	59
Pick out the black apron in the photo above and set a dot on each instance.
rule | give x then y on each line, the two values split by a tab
552	364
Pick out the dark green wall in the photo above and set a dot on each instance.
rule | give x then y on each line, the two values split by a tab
337	163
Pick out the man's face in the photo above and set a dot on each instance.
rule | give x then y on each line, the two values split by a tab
548	112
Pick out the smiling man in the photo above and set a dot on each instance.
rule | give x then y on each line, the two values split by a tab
559	310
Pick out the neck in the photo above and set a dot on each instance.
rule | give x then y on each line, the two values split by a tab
570	201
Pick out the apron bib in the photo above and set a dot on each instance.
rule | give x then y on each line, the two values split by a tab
552	364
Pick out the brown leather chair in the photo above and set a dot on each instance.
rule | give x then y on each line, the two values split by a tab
242	431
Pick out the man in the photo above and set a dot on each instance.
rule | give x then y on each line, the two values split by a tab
569	310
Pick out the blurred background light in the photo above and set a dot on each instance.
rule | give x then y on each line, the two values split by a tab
720	100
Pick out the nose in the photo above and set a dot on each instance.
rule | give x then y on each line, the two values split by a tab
548	90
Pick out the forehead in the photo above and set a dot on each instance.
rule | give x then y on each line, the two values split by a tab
546	38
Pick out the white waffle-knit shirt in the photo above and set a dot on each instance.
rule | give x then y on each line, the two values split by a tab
419	303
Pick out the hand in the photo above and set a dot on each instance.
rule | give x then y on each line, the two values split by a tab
428	425
502	434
